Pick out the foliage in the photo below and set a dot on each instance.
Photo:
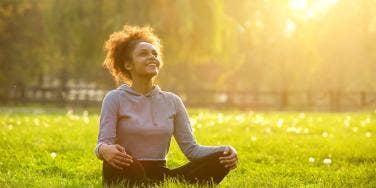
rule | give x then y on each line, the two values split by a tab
243	45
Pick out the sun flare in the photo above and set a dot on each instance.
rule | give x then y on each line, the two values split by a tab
308	9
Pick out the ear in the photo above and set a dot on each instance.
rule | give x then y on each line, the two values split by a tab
128	66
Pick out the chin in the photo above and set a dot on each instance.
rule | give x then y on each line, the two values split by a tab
152	74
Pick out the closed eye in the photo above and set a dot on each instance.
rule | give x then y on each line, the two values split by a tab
143	53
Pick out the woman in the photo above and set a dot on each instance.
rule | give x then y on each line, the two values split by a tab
138	120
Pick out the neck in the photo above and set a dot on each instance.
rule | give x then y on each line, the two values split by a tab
142	86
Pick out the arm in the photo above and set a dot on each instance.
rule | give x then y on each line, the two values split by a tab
184	136
106	148
108	122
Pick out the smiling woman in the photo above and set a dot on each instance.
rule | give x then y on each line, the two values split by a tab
142	64
138	120
120	46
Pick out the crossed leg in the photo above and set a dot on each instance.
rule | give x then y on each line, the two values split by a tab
206	170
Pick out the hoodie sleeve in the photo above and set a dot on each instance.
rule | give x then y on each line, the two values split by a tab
108	121
184	136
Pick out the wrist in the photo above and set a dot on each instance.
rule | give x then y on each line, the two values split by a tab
100	150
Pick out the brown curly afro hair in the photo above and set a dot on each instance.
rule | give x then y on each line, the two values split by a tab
120	46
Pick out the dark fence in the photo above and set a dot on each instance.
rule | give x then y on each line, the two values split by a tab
285	100
333	100
83	96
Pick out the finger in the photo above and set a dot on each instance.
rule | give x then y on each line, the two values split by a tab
226	151
228	166
124	155
120	163
225	158
120	148
125	160
233	167
230	161
233	155
115	166
234	163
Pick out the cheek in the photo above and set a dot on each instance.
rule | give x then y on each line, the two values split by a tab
140	60
139	66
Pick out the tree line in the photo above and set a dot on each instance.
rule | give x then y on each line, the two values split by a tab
208	45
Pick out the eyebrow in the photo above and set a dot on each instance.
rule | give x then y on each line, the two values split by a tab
145	49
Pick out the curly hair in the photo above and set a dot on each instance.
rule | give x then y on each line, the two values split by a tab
119	48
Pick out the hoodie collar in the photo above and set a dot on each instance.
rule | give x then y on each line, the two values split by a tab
128	89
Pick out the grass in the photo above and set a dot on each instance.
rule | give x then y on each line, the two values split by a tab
50	147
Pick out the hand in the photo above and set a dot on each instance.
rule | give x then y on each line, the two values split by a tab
230	159
115	155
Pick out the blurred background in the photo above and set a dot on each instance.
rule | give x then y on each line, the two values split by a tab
259	54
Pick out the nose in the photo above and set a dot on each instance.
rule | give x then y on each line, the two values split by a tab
153	58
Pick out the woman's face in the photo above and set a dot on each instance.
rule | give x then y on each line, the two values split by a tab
146	61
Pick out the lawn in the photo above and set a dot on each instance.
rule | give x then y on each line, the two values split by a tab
51	147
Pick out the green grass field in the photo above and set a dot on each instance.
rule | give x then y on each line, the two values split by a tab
48	147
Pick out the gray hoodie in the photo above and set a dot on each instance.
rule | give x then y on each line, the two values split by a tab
144	124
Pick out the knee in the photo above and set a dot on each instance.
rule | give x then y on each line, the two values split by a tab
214	156
213	162
214	168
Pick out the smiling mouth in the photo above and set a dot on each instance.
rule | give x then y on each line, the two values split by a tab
153	64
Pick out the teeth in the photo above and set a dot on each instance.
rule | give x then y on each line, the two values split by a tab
152	66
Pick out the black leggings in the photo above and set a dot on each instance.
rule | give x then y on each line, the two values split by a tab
206	170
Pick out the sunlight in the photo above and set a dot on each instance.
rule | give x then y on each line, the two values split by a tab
298	4
290	28
323	5
259	24
307	10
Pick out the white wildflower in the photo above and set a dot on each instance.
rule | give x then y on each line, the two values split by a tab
45	124
327	161
368	120
259	119
53	155
311	159
346	123
36	122
240	118
325	134
253	138
298	130
368	134
280	123
291	129
85	113
220	118
86	120
70	112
